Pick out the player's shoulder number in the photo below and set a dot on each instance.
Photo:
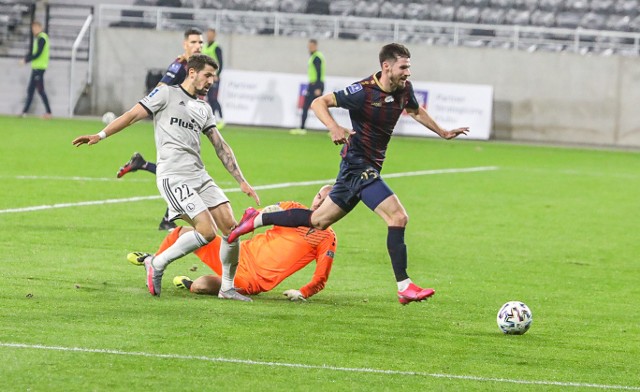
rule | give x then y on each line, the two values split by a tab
354	88
153	92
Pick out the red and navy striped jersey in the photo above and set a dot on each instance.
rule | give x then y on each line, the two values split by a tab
374	113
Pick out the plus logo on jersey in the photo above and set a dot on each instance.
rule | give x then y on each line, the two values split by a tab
191	125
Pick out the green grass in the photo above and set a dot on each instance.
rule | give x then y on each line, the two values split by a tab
553	227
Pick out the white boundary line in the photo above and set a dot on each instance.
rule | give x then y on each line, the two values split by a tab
259	187
318	367
61	178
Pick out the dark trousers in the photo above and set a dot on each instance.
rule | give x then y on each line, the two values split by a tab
36	82
212	96
308	99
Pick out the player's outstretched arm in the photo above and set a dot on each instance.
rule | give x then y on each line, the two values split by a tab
134	115
421	116
320	106
228	159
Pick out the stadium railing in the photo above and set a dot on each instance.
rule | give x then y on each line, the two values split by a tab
530	38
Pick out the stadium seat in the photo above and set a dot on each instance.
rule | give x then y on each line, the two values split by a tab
577	5
267	5
368	9
293	6
492	15
627	7
500	3
445	13
568	19
634	25
550	5
467	14
392	10
618	22
416	11
593	21
543	18
603	6
341	7
517	17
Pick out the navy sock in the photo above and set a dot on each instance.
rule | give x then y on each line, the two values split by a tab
187	283
150	167
289	218
398	252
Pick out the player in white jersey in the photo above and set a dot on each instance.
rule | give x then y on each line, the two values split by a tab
179	117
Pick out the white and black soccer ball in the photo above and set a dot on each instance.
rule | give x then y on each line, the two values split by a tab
108	117
514	318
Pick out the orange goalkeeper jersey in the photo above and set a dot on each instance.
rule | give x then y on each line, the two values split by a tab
269	258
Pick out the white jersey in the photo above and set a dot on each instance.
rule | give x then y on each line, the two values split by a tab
178	119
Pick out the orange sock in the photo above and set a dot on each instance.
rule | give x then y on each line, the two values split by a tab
169	240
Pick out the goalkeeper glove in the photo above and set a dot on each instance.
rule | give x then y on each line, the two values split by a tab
294	295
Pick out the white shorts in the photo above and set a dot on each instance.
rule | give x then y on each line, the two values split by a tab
190	195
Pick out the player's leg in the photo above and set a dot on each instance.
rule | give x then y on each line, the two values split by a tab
381	199
135	163
43	94
308	99
229	252
222	213
31	89
183	201
207	284
341	200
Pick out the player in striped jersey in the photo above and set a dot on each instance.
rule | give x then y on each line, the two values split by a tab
375	105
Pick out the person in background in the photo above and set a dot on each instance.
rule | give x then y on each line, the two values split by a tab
39	59
213	50
315	88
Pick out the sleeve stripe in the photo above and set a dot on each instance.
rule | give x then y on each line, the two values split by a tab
208	128
146	108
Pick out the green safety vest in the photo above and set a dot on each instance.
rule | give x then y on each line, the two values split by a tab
42	62
312	70
211	51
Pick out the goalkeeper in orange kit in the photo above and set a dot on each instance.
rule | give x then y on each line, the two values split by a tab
266	259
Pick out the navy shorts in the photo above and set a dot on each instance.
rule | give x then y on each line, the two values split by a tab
355	183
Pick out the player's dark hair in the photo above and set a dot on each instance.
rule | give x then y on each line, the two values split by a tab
198	61
313	41
192	31
36	23
391	52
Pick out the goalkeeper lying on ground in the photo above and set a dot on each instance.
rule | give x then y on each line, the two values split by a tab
266	259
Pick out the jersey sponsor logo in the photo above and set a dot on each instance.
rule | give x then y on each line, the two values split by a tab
175	67
191	125
152	93
376	104
354	88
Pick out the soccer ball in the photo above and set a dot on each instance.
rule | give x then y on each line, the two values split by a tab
514	318
108	117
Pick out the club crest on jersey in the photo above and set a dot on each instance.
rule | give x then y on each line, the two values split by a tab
354	88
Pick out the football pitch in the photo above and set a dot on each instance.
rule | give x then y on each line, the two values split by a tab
556	228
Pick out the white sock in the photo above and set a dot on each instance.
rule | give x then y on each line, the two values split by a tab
257	221
229	254
186	243
403	284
